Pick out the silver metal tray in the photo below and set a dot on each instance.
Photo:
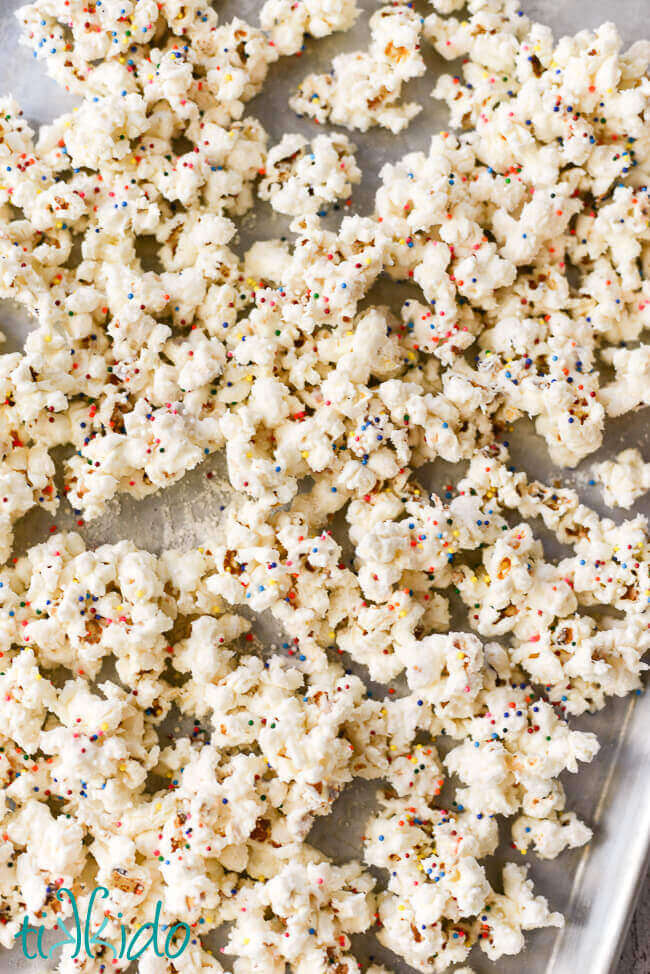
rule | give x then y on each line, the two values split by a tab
595	887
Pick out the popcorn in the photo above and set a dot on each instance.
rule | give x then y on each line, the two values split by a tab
516	911
288	22
523	239
303	177
550	836
307	894
506	722
363	88
432	911
624	479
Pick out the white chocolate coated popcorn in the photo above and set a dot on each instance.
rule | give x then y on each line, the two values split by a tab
303	177
624	479
151	743
287	21
364	88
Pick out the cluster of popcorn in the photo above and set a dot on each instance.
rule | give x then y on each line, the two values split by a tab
303	177
364	88
150	743
624	479
439	902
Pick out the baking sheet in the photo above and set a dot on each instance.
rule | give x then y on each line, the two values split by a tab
594	887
